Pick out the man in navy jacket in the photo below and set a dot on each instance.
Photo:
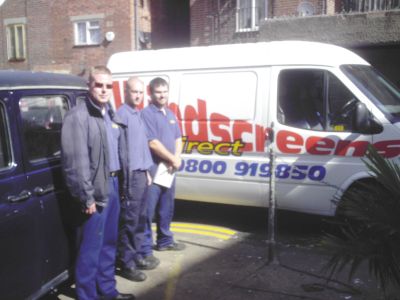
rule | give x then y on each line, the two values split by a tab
91	140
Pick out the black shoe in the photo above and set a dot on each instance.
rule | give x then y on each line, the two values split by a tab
171	247
122	296
133	274
148	263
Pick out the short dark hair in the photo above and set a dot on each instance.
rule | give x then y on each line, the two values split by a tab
156	82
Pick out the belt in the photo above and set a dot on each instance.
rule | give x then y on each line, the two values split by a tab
114	174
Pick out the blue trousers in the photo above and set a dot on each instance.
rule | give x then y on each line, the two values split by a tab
132	220
95	264
160	204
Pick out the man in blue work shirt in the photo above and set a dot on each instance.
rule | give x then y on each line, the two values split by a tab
91	159
166	145
136	180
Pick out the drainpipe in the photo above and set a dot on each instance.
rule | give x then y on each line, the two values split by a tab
136	14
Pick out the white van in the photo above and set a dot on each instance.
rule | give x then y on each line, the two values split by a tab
325	105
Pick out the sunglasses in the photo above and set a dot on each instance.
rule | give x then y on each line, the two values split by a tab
101	85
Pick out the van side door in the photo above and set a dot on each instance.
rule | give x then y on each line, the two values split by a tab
20	229
316	145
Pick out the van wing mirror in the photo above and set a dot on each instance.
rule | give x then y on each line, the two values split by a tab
364	121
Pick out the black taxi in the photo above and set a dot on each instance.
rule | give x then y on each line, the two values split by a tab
35	240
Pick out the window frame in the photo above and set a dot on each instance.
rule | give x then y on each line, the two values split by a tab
14	45
7	136
88	27
254	21
66	100
327	75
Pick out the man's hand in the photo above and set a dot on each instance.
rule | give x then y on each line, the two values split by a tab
176	162
149	179
91	209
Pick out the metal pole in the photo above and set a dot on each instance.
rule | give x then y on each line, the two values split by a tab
272	252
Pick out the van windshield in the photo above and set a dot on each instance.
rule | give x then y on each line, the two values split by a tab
382	93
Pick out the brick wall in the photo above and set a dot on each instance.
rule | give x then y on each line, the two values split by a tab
50	35
9	10
210	27
200	22
117	16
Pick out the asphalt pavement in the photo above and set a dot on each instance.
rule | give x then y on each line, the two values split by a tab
221	263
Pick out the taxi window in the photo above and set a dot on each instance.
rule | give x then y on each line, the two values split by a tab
5	146
41	122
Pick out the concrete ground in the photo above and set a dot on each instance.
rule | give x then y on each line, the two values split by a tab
222	264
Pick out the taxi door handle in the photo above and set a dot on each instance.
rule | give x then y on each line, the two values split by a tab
24	195
40	191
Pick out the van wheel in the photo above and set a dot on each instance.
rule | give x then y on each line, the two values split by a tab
360	198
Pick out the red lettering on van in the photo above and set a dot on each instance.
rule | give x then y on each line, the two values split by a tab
288	142
319	146
354	148
293	143
198	124
388	149
241	127
200	117
117	94
220	127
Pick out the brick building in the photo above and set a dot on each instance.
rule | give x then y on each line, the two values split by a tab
371	28
69	36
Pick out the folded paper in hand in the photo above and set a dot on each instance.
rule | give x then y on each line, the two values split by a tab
163	177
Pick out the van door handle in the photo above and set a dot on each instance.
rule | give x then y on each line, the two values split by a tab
24	195
39	191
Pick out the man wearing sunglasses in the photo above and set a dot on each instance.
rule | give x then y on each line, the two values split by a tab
92	144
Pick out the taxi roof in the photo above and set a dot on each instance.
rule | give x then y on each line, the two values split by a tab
234	55
17	80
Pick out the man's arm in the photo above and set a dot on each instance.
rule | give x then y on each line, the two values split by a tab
76	164
159	149
178	152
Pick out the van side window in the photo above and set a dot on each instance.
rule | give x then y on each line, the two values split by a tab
341	105
300	98
5	145
41	122
315	100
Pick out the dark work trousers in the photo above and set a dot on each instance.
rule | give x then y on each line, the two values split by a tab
160	204
132	221
95	264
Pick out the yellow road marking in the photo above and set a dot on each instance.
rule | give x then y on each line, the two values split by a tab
202	232
205	227
206	230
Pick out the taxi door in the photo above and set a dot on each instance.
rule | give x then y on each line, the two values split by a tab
20	225
40	114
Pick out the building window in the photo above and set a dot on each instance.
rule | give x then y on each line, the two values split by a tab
87	32
249	13
16	42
